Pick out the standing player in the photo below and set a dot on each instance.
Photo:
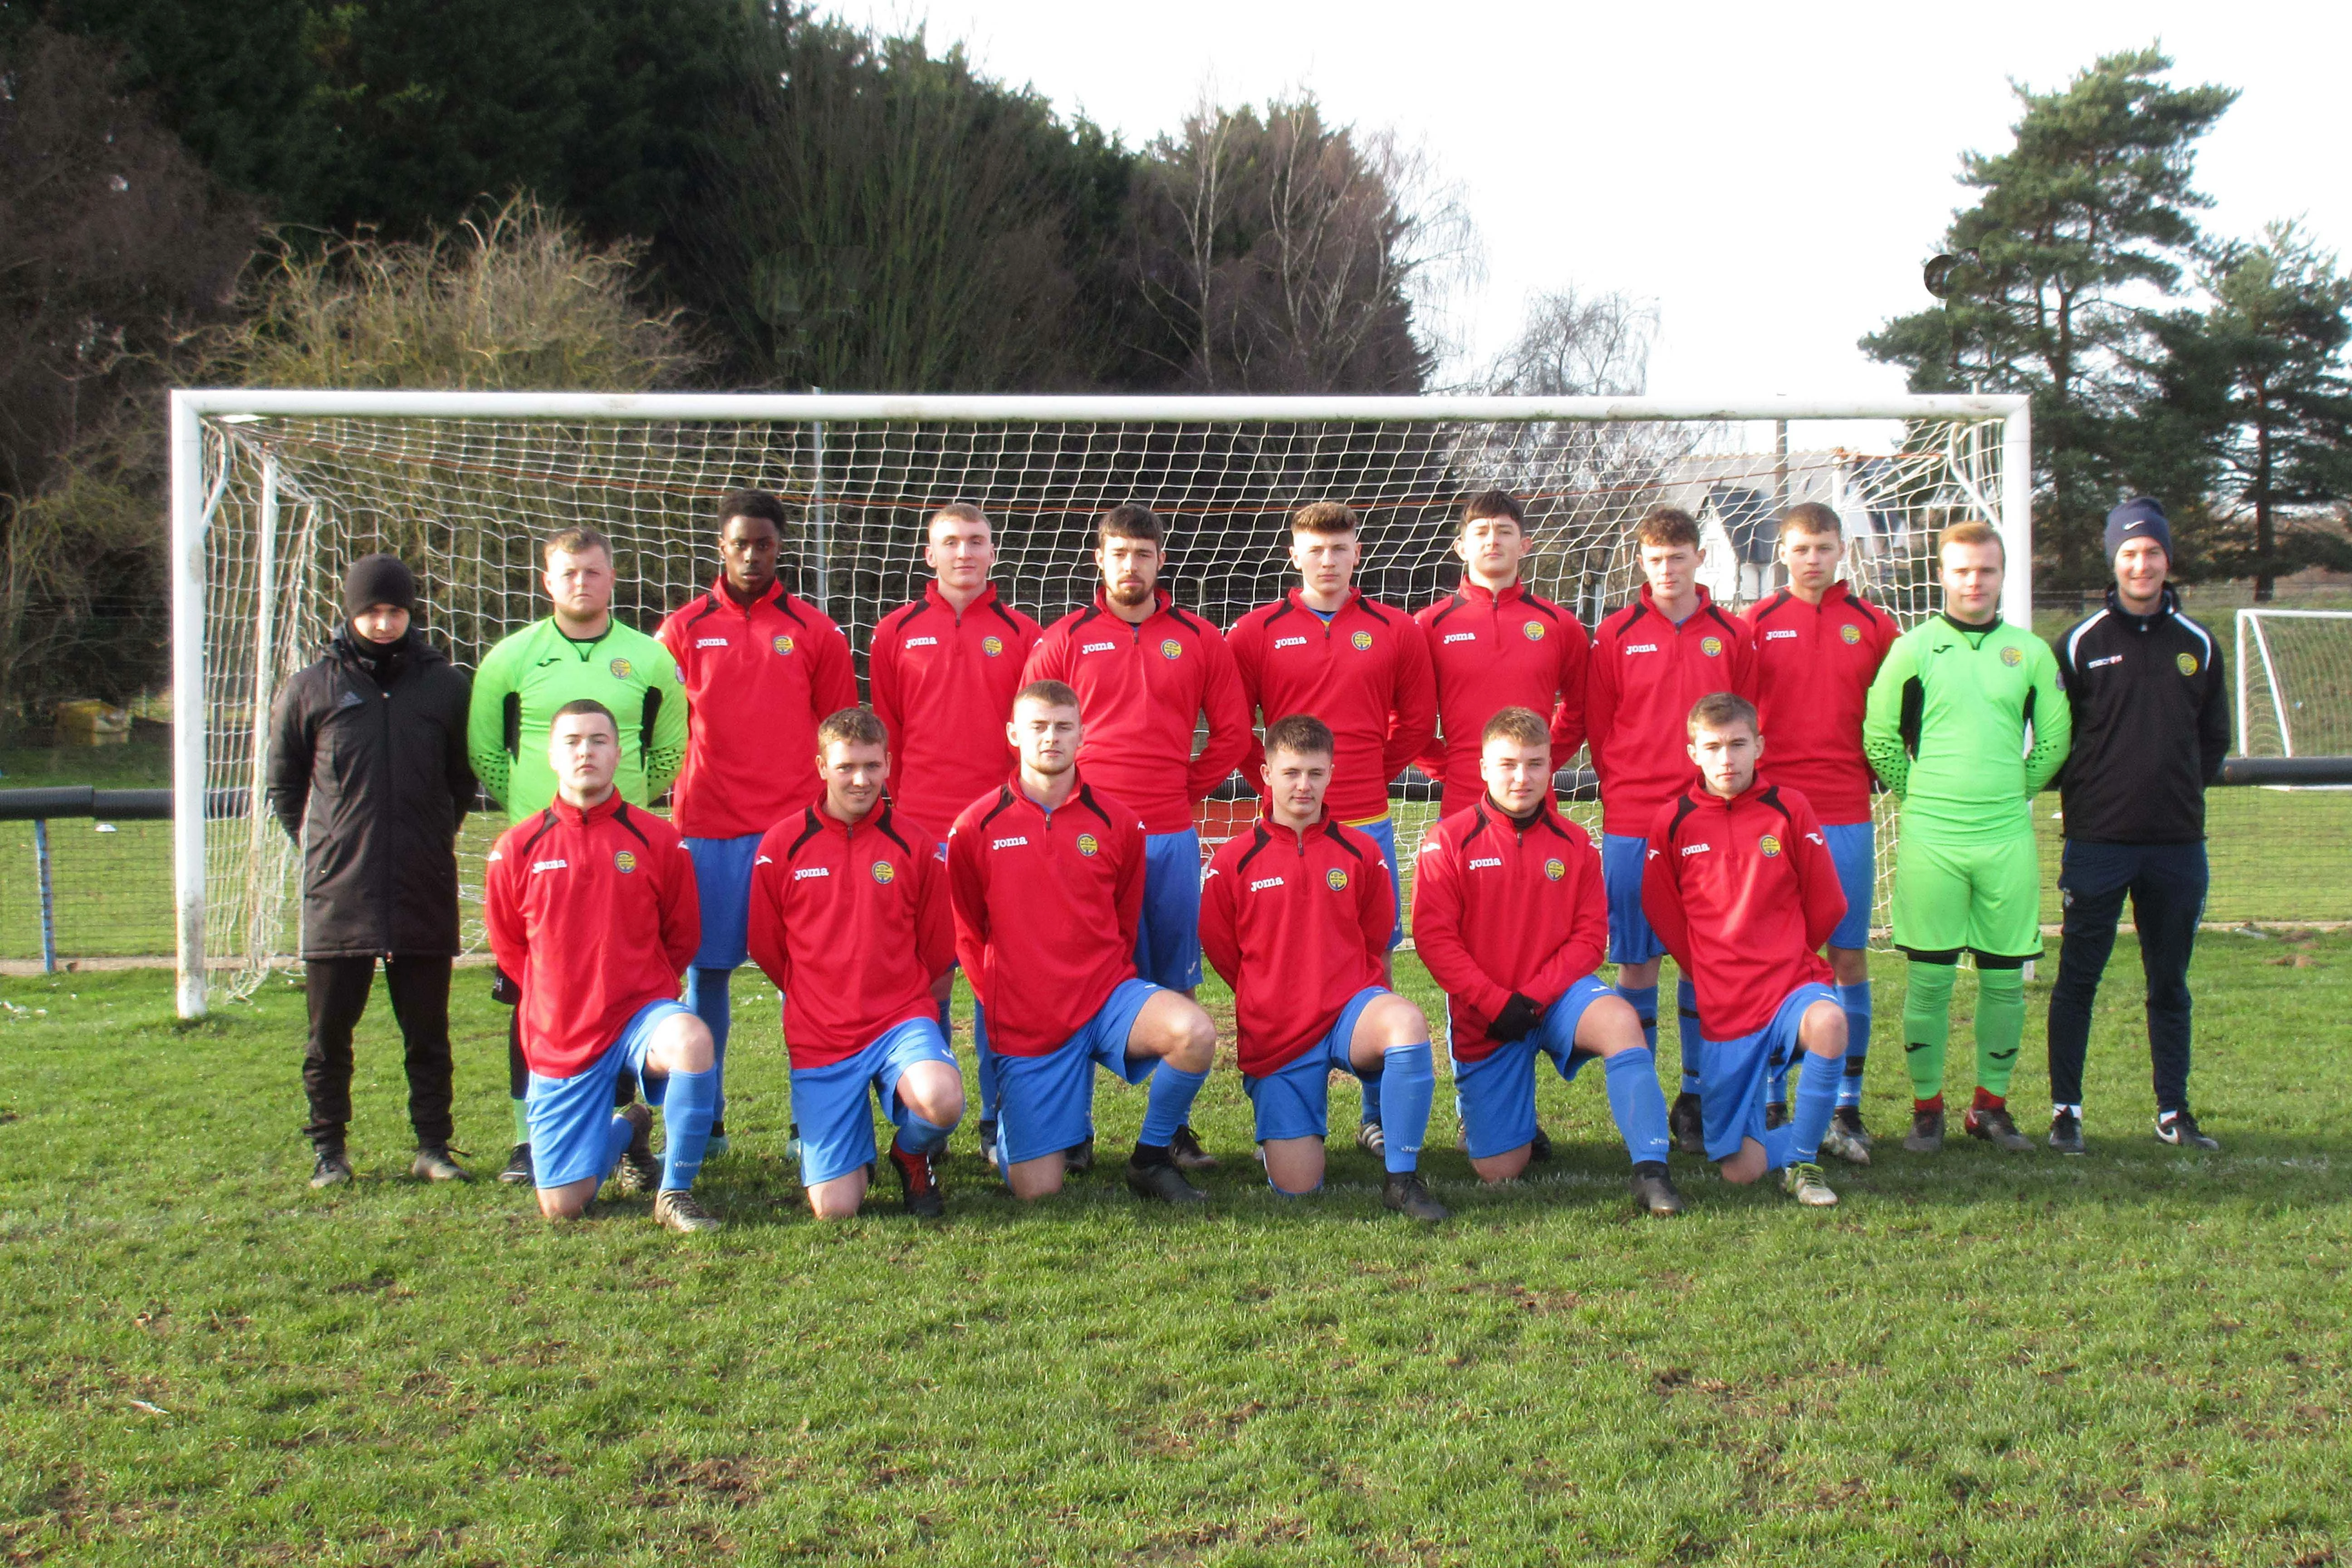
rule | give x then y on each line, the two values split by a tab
1818	646
1296	915
1146	674
1741	887
581	650
1651	661
944	670
762	666
849	917
1967	721
591	909
1358	666
1047	878
2151	717
1509	915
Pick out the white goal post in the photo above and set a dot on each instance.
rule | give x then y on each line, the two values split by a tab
272	492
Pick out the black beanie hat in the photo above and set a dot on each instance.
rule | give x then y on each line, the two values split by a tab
378	580
2142	518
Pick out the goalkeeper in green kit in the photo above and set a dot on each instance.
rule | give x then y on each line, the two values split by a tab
581	650
1966	721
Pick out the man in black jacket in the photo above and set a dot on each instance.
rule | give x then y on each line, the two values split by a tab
368	772
2151	726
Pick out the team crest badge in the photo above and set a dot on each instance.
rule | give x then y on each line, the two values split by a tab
1534	630
885	872
1555	869
1336	879
1171	649
1362	641
992	646
625	860
784	644
2012	657
1088	844
1771	845
1849	634
622	668
1711	646
2187	663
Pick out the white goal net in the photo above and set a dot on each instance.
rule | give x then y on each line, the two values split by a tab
2294	682
273	493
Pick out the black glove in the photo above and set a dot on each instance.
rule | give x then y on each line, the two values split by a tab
1519	1016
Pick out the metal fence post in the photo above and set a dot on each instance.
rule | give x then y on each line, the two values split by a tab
48	897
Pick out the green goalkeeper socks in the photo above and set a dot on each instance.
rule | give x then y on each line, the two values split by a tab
1928	1025
2001	1026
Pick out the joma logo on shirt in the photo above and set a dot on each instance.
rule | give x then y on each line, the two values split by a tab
1266	882
1696	848
1008	843
539	865
1482	865
1289	642
805	872
1641	647
1776	637
710	642
922	642
1461	636
1098	647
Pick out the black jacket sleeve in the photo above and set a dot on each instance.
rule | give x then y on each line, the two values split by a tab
2213	720
456	764
292	751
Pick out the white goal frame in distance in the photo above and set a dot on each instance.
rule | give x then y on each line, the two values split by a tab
191	506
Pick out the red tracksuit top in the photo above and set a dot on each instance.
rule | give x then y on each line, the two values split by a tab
1366	674
1645	675
594	914
1498	908
759	680
1296	923
851	921
1743	892
1492	652
1046	908
943	684
1813	669
1141	690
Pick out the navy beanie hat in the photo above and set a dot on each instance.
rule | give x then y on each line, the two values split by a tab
2139	518
378	580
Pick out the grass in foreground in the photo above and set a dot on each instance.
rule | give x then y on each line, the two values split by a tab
2133	1357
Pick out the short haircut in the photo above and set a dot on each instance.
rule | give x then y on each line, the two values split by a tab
1720	710
573	540
1667	526
1810	516
1130	519
761	504
1494	503
1521	726
587	705
851	727
1973	532
1052	693
1301	735
959	510
1324	517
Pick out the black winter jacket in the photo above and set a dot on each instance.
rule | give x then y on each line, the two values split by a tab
2151	725
368	772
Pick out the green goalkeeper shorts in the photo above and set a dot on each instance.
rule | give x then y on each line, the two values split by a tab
1982	894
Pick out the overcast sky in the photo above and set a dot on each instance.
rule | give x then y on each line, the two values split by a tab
1771	175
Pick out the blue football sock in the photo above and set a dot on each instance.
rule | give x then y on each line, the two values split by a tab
1638	1103
617	1134
917	1136
1171	1104
1856	1000
1818	1085
1781	1145
987	1059
687	1101
1644	1000
705	993
1408	1083
1687	1032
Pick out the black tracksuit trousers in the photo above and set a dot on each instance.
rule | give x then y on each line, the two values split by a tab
338	991
2165	884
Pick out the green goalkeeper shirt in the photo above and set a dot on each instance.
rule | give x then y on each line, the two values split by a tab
1964	724
531	673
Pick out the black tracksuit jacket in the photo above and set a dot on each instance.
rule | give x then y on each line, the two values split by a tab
2151	725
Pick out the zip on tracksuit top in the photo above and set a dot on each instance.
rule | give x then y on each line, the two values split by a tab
851	921
594	914
1142	689
1490	651
1365	673
1814	664
1645	675
1743	892
1047	906
2151	718
1499	907
1297	923
759	678
943	684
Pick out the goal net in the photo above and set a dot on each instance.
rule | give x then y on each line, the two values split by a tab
2294	683
273	493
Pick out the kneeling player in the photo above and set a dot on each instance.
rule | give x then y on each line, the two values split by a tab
1509	915
849	917
591	908
1740	886
1296	914
1046	881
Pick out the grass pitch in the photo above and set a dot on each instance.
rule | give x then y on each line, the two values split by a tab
2135	1357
